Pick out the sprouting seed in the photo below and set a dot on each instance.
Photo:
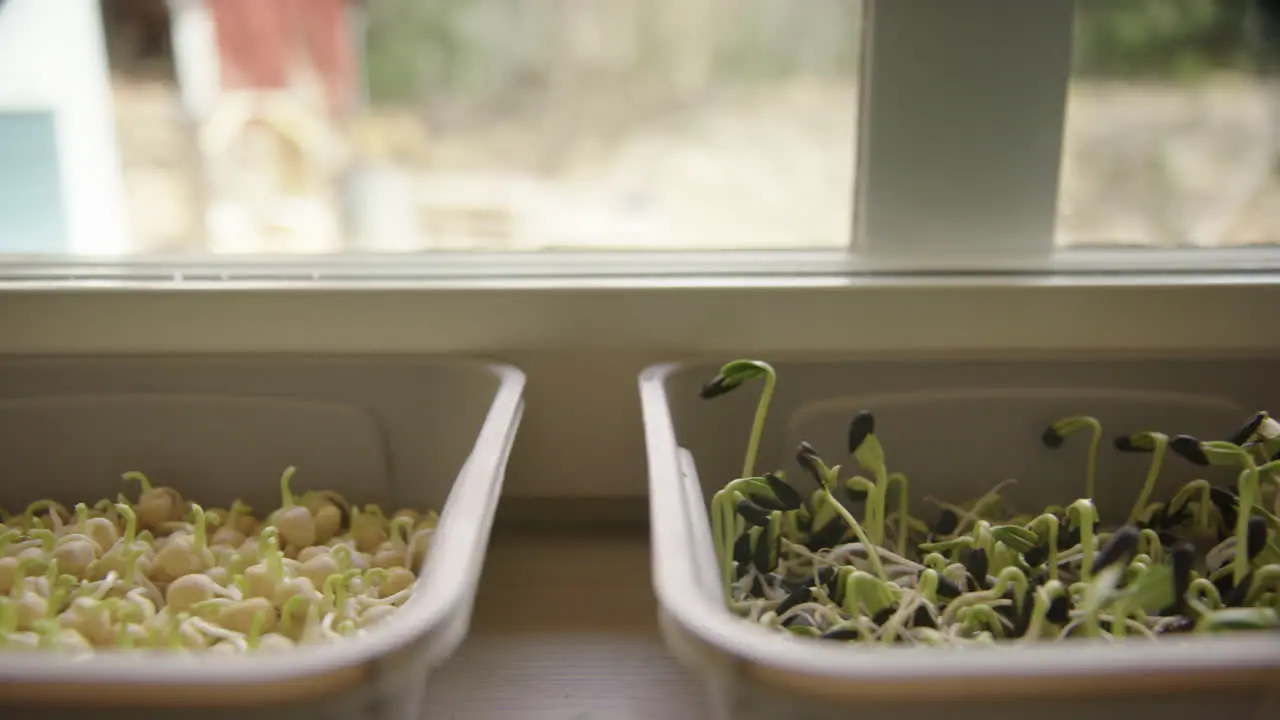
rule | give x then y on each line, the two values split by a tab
829	579
1119	548
1051	438
765	557
845	633
862	426
1226	501
753	513
1224	585
1257	537
947	522
1059	610
923	618
1236	596
976	562
883	614
99	580
796	597
742	549
948	589
1246	431
1183	557
787	496
1036	556
1125	443
829	535
1188	448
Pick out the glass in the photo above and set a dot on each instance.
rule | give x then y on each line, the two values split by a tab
1173	125
320	126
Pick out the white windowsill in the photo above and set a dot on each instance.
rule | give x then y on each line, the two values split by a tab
573	265
320	309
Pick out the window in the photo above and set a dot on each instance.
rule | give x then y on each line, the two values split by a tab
318	126
1173	125
860	135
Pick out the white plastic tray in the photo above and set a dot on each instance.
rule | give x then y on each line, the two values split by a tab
955	429
399	432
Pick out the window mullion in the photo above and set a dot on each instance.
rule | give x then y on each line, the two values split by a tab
960	132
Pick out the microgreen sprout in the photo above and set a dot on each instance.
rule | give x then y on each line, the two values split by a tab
731	376
1148	442
162	572
1054	435
1204	559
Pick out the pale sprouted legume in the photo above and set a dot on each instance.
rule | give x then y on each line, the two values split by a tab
165	572
812	563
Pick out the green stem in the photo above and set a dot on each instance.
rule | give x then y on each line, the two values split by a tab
287	612
936	562
757	425
1045	595
1264	579
140	478
983	539
1091	476
975	617
237	509
272	557
37	506
398	531
1015	577
130	523
286	495
1084	514
876	502
1153	472
200	538
724	548
1120	617
342	555
1149	544
1051	524
873	556
1201	590
1204	506
1248	486
903	518
724	529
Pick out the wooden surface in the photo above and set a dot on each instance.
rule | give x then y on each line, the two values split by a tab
565	627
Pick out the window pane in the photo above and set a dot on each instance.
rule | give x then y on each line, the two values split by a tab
1173	125
281	126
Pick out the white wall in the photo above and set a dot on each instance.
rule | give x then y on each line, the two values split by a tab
53	56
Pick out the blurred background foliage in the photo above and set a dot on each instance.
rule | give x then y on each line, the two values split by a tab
475	48
1181	39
